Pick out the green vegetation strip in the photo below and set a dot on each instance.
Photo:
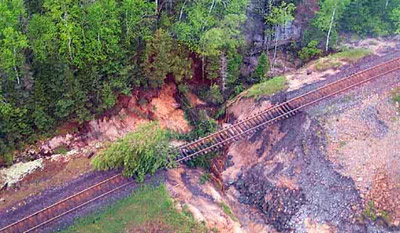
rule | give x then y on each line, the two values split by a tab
268	87
334	61
149	209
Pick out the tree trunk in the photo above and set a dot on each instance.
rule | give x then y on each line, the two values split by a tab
15	66
330	30
387	3
203	66
211	8
181	13
275	48
223	71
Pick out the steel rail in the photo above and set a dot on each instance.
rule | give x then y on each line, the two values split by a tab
247	131
286	102
108	180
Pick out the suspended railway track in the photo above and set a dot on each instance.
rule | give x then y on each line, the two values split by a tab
212	142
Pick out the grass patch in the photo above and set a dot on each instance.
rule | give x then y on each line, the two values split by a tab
335	60
268	87
61	150
352	55
149	209
227	210
396	96
370	211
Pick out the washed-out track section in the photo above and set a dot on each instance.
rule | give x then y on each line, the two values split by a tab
281	111
37	220
248	126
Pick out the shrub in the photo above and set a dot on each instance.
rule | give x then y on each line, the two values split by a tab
310	51
215	94
140	152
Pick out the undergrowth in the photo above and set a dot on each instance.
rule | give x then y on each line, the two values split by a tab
268	87
149	209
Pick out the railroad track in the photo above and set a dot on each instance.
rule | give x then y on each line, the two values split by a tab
281	111
35	221
243	128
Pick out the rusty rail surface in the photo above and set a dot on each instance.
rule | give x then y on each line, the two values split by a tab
51	213
283	110
203	145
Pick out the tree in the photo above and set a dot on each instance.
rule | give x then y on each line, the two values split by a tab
138	153
165	56
12	41
326	21
277	17
395	17
262	69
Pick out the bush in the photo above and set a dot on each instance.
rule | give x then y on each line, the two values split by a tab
215	95
310	51
140	152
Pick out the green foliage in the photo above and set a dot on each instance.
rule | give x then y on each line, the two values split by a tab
164	56
395	17
280	14
66	60
327	18
14	126
268	87
208	26
12	41
262	69
141	152
310	51
215	95
148	209
369	17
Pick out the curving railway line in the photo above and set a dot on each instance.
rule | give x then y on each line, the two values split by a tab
212	142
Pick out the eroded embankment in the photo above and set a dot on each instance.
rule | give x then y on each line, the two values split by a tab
294	179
